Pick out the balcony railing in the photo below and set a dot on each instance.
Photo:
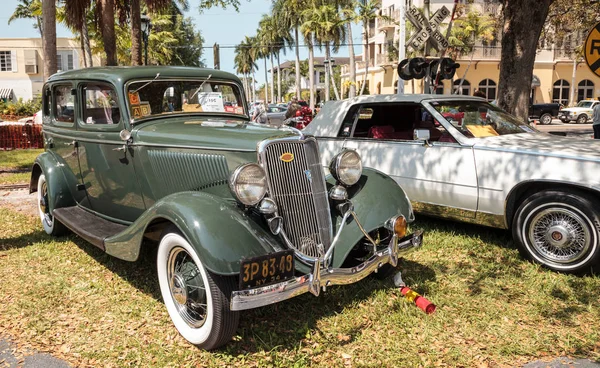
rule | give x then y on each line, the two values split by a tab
389	23
362	64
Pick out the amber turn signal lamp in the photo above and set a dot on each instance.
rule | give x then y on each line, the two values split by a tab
400	226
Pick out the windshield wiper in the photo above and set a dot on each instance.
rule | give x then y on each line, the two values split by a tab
199	88
155	78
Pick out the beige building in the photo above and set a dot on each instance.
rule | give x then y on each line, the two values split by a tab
22	65
553	74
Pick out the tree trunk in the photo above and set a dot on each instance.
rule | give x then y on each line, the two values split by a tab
278	79
352	66
253	86
298	86
85	64
49	40
40	27
86	42
272	80
335	90
572	101
328	58
367	56
107	24
136	33
519	44
266	82
311	75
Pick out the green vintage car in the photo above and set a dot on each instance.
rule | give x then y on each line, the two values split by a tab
241	215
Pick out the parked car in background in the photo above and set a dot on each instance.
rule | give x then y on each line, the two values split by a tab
580	113
275	114
544	112
239	215
462	158
35	119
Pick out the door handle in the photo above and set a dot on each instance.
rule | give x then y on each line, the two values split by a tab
123	148
73	143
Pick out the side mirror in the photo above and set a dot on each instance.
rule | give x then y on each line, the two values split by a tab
421	135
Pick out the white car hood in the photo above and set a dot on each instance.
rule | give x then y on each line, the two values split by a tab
577	109
544	144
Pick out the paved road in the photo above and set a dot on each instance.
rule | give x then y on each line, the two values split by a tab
572	130
12	357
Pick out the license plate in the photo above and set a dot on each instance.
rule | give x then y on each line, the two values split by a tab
267	269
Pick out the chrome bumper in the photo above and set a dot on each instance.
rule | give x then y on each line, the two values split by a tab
321	276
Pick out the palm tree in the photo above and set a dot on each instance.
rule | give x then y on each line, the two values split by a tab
49	38
469	29
287	12
106	11
282	39
76	16
308	29
261	48
29	9
329	30
267	31
367	11
347	8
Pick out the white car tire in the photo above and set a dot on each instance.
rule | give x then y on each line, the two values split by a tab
559	230
196	300
582	119
50	224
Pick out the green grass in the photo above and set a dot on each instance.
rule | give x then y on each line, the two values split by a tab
16	178
18	159
66	297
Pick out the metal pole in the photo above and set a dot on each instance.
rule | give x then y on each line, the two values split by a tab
401	43
427	81
145	49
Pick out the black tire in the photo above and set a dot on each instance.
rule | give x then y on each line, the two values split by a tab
546	119
202	318
582	119
49	223
559	230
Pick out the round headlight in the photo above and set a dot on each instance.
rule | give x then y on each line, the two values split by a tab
248	183
346	167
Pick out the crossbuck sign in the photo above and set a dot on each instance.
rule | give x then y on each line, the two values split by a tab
427	29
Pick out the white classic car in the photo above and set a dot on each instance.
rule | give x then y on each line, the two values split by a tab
461	158
580	113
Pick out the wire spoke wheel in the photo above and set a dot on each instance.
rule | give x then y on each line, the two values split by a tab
560	235
187	287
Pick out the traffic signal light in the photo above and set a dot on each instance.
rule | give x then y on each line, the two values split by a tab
418	68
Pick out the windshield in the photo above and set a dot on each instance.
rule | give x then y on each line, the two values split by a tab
478	119
160	97
586	104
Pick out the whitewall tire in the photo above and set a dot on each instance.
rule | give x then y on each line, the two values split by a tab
50	225
196	300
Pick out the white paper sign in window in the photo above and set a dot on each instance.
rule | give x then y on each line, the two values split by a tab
211	101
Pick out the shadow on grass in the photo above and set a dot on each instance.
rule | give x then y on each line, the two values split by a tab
283	325
23	240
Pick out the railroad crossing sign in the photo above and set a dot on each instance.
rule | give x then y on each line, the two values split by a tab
427	30
592	50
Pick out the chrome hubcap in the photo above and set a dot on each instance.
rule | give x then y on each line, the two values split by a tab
43	204
559	235
187	287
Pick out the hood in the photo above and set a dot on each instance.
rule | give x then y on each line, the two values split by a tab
217	133
545	144
576	109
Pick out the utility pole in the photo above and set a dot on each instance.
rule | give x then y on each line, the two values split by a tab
401	43
216	56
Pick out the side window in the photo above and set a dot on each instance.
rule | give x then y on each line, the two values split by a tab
348	123
101	104
64	104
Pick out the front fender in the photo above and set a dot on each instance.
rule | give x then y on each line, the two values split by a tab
376	198
58	189
219	231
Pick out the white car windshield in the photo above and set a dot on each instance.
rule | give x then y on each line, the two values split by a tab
159	97
585	104
478	119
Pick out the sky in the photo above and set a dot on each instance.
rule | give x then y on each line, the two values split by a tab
225	27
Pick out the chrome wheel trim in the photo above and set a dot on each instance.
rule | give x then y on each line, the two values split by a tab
546	119
43	205
187	287
559	235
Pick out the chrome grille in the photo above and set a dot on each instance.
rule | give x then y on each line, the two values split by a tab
298	188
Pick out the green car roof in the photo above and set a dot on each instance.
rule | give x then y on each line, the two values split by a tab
121	74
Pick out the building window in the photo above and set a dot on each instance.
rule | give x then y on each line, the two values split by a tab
465	89
585	90
64	60
560	92
488	87
322	77
5	61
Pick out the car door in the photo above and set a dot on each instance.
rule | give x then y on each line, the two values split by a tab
276	115
60	132
439	176
107	165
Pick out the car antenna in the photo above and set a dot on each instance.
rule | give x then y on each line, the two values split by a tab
199	88
155	78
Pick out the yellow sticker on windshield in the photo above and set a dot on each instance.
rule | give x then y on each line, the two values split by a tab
480	131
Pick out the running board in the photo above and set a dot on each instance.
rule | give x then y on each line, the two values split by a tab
90	227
